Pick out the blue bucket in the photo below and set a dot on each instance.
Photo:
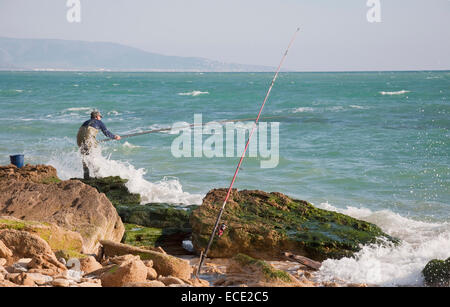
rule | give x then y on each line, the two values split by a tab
17	160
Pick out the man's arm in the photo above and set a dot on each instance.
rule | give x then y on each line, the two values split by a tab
105	131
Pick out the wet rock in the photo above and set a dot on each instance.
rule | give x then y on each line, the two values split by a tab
153	224
437	273
115	189
264	225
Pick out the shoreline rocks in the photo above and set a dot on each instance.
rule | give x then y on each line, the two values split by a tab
45	219
264	225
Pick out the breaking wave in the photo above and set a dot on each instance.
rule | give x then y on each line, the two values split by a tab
193	93
395	93
166	190
390	265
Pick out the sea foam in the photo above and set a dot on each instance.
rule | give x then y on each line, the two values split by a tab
193	93
388	264
395	93
165	190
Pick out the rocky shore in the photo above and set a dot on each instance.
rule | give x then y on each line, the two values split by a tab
94	233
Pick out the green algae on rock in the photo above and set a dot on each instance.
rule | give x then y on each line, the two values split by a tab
151	225
157	215
264	225
57	237
141	236
115	189
437	273
169	239
130	209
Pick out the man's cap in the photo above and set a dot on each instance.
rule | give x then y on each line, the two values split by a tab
94	114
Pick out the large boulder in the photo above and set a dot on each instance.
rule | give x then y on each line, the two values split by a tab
70	204
264	225
58	238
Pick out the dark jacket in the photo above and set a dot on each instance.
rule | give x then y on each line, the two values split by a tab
99	125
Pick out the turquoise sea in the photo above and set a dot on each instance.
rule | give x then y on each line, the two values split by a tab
374	145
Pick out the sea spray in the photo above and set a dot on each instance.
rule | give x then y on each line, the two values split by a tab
166	190
193	93
387	264
394	92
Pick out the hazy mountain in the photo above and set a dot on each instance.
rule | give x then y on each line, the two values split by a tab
31	54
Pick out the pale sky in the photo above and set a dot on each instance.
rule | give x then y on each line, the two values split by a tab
335	35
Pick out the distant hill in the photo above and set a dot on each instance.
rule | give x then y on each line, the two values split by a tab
56	54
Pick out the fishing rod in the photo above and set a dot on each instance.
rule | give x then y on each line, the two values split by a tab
183	127
211	238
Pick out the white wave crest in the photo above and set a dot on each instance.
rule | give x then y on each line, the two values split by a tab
358	107
166	190
303	109
113	112
78	109
129	145
390	265
193	93
395	93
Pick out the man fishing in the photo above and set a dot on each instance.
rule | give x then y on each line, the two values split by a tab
86	137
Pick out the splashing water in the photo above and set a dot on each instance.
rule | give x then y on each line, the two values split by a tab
166	190
387	264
